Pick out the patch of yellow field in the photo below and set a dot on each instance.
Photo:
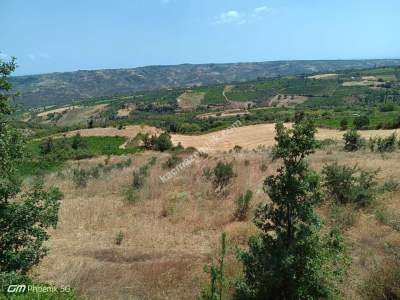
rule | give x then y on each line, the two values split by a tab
57	110
323	76
129	131
250	137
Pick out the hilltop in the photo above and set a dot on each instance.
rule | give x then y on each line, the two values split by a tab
63	88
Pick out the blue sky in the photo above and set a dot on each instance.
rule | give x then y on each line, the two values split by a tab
67	35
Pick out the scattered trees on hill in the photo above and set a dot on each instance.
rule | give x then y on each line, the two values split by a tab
291	259
159	143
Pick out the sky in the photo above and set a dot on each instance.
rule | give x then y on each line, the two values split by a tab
67	35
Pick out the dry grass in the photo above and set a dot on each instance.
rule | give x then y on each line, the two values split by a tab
250	137
175	227
128	131
190	100
58	110
324	76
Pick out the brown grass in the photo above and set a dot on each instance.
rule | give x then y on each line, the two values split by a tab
175	227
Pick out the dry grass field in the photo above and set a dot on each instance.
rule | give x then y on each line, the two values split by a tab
173	230
190	100
324	76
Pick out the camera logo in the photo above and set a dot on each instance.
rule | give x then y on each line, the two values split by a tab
16	288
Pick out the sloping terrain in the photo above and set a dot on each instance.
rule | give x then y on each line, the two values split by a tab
62	88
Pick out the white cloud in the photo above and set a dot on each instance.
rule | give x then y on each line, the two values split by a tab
240	18
261	9
229	17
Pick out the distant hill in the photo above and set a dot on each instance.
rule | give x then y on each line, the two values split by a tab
62	88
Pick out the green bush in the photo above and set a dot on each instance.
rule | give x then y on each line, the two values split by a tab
353	141
223	173
172	162
242	206
361	122
350	185
344	123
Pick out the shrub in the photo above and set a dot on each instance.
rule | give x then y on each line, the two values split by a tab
387	144
223	173
207	173
163	142
263	167
118	238
344	123
242	206
78	142
46	146
172	162
352	141
350	185
361	122
237	148
391	186
246	162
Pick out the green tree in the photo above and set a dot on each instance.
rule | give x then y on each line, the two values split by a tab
361	122
223	172
23	218
353	141
290	259
163	142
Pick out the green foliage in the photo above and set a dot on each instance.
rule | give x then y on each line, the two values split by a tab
159	143
119	238
384	144
24	222
24	225
223	173
242	206
361	122
215	289
290	259
344	123
172	162
350	185
353	141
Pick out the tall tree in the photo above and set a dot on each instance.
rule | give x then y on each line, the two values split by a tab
24	217
290	259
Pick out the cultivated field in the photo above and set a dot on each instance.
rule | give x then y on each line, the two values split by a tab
248	137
